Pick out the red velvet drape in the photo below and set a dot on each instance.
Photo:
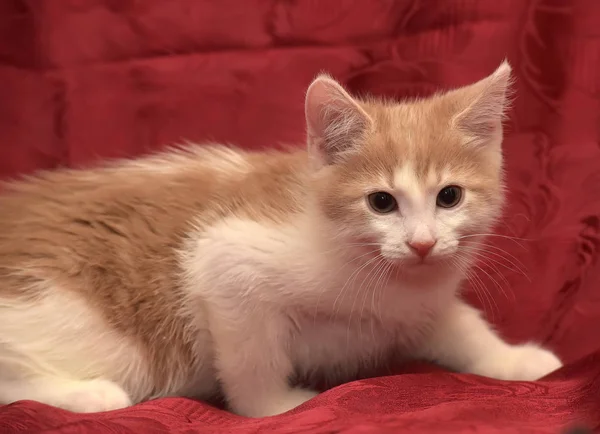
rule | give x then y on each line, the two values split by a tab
82	80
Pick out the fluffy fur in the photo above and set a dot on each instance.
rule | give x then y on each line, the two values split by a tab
211	270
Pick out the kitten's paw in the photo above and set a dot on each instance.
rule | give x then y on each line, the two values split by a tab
519	363
291	400
532	363
95	396
277	405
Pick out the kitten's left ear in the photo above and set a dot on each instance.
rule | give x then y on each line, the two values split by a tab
335	122
480	107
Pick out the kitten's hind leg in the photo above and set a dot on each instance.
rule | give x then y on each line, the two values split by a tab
89	396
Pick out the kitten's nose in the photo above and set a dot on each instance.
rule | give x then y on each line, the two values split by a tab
421	248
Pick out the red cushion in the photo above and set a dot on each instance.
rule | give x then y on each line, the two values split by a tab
82	80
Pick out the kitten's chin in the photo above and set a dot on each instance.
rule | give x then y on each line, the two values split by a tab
414	264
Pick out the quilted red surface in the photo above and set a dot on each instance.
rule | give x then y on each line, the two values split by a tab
87	79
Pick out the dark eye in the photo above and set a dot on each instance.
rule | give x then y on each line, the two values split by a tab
449	197
382	202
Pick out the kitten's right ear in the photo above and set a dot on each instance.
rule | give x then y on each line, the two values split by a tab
335	123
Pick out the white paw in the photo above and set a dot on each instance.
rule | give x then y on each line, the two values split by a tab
95	396
519	363
292	400
277	405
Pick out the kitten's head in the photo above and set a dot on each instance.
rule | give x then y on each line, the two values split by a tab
418	180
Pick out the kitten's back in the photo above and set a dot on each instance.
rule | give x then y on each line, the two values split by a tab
110	236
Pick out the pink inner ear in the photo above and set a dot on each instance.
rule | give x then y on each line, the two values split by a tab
484	104
333	118
483	128
316	100
483	118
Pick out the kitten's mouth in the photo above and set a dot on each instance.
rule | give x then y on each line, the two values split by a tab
416	262
423	263
413	262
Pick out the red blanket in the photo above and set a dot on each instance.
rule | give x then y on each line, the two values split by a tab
87	79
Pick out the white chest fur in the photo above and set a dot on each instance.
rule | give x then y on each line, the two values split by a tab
283	284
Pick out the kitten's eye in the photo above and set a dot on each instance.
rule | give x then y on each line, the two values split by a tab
382	202
449	197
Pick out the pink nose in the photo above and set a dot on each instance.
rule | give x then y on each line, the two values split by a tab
421	248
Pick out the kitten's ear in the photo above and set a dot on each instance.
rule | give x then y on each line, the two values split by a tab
479	109
335	123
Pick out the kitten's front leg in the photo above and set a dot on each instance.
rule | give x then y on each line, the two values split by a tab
463	341
254	367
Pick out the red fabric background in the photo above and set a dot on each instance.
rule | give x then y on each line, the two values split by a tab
82	80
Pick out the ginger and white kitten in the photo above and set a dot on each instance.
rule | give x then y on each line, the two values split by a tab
211	269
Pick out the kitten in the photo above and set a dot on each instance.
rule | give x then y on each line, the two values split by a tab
211	269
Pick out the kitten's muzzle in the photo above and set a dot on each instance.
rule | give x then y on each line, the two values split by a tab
421	248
